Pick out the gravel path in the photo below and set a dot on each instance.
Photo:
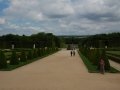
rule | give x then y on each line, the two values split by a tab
59	71
115	65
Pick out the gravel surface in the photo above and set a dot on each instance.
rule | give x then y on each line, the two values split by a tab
59	71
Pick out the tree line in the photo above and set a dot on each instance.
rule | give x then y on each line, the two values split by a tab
40	40
102	40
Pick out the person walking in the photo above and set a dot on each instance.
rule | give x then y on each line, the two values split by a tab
102	65
71	53
74	53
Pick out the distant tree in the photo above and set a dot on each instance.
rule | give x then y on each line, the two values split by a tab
41	40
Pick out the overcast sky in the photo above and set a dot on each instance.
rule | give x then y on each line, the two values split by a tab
60	17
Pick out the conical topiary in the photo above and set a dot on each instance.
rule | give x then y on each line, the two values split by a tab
107	64
30	55
35	55
3	61
23	57
96	57
14	60
39	52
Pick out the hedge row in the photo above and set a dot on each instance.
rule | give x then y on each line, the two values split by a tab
17	60
114	58
94	56
115	53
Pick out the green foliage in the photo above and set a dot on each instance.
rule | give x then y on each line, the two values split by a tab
41	40
114	58
30	55
91	68
94	56
104	57
102	40
3	62
14	59
23	57
14	62
39	52
35	54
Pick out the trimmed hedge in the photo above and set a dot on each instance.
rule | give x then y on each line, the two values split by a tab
93	68
27	57
115	53
114	58
105	58
23	56
3	61
94	56
14	59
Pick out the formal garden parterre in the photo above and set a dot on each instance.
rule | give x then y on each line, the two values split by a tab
16	51
18	58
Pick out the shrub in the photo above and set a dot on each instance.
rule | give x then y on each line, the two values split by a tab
42	51
23	57
30	55
3	61
35	55
14	59
114	58
107	64
39	52
94	56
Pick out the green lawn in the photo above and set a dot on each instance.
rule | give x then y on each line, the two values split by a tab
114	55
114	52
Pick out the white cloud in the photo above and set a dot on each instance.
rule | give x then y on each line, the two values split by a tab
63	16
38	9
2	21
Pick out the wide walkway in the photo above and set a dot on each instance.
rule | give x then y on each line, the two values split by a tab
59	71
115	65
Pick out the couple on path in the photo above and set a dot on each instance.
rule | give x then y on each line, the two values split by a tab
72	53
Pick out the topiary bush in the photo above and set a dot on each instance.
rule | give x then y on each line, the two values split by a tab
23	56
3	61
14	59
39	52
107	63
43	51
30	55
35	55
94	56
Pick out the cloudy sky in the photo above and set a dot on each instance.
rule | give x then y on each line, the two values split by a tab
60	17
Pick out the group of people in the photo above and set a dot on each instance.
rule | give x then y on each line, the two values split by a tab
72	52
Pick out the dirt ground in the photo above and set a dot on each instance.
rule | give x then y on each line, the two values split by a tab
59	71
